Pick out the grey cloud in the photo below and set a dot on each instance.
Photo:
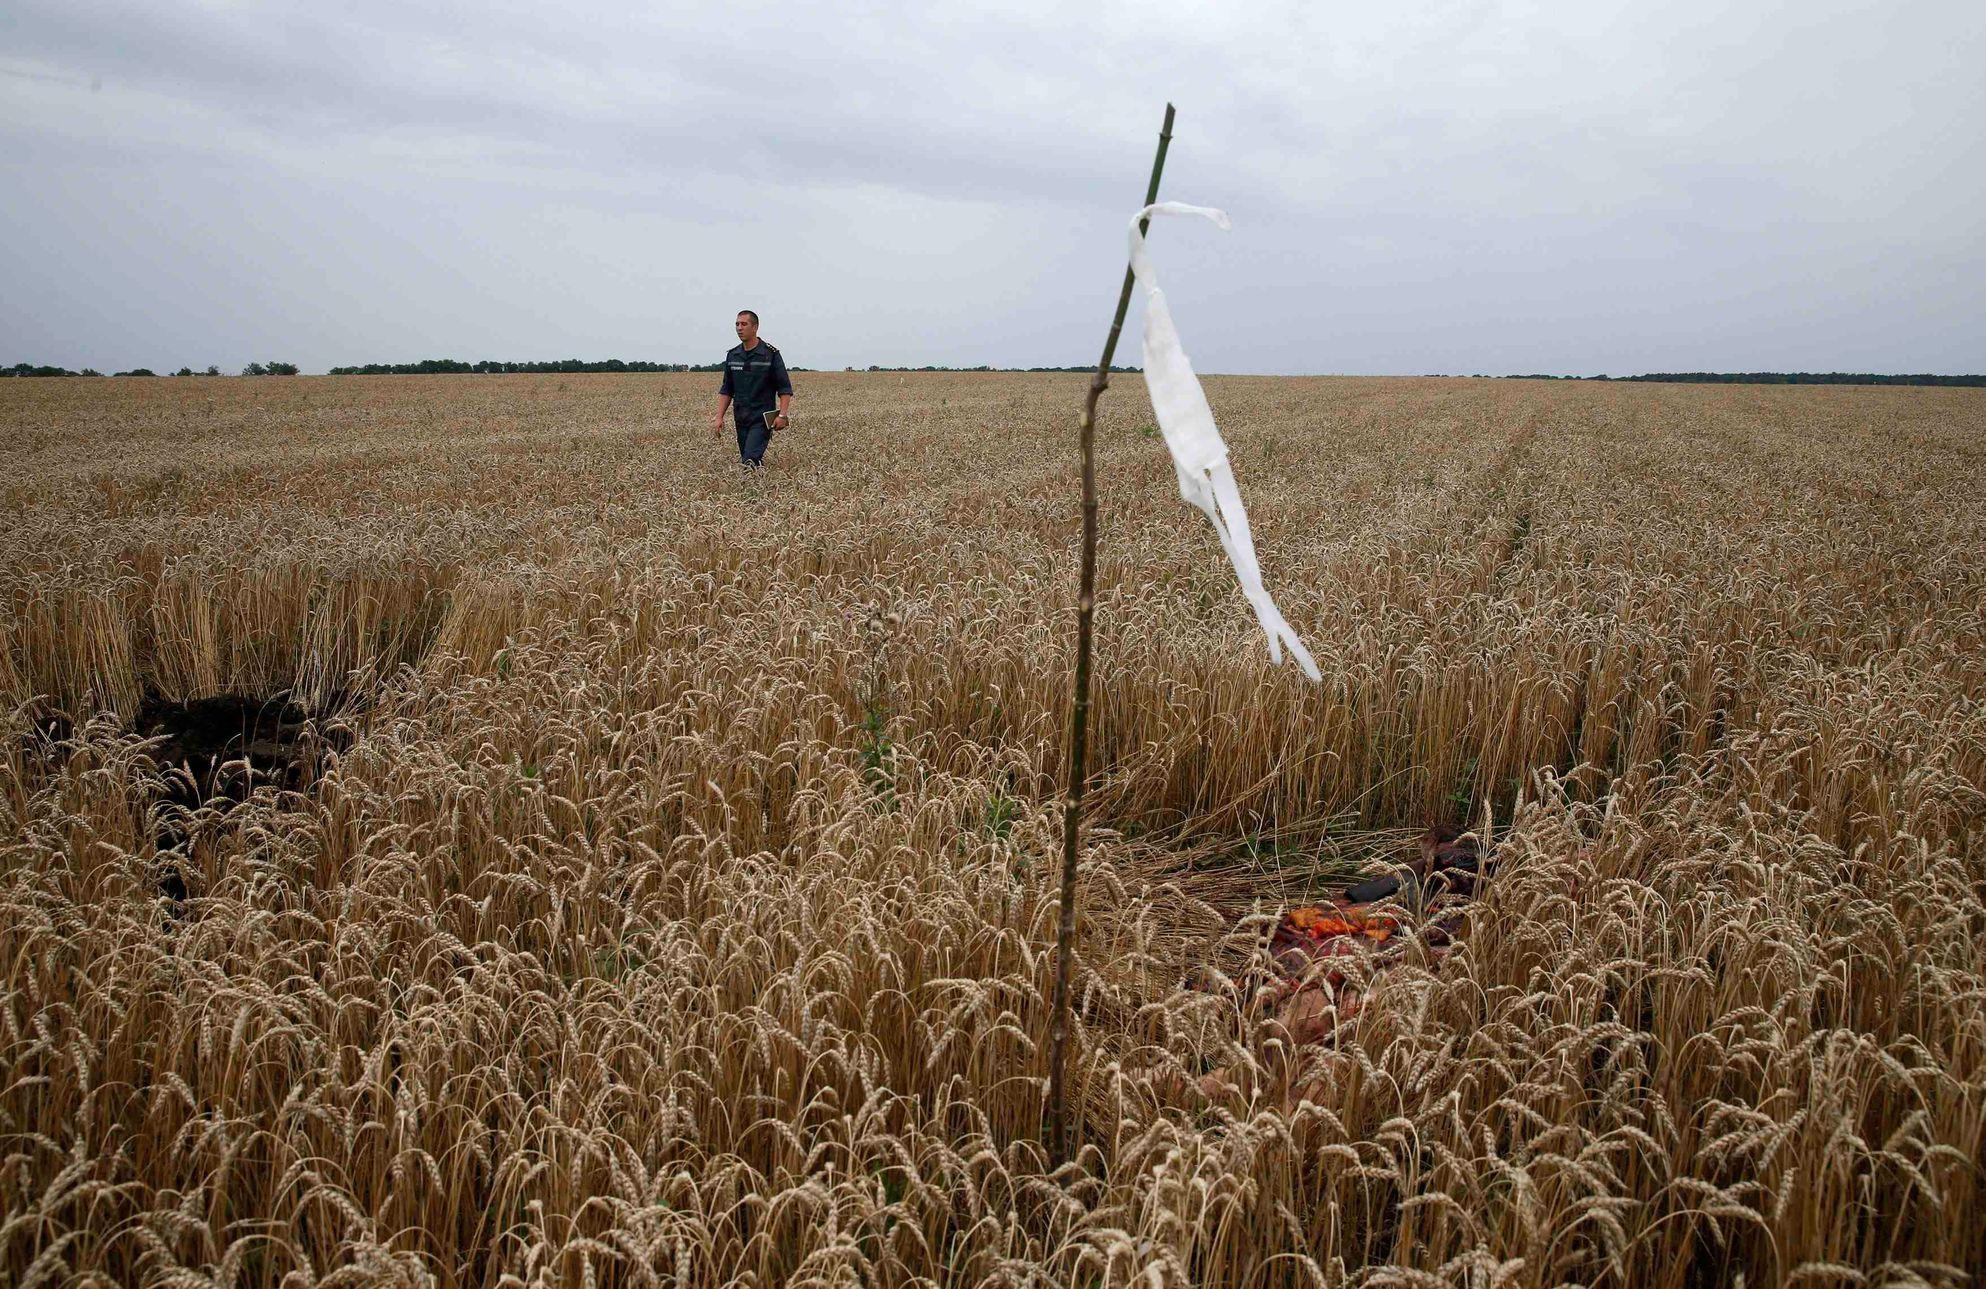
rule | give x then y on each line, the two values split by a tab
1571	187
562	102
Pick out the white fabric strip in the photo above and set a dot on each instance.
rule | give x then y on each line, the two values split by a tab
1198	453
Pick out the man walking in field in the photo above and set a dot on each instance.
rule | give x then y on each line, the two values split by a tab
754	379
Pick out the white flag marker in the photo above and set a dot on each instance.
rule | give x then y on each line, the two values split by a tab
1198	453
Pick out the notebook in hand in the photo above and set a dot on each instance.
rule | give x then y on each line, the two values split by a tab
770	417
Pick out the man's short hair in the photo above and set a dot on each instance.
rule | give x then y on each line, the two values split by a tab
747	313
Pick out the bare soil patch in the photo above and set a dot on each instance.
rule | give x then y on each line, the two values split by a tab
214	751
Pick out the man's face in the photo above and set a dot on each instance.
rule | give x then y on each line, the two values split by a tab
748	331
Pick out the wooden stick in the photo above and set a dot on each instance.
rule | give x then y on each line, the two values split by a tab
1079	720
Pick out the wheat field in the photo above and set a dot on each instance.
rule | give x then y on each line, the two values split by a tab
678	905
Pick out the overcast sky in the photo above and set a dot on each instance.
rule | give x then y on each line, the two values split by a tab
1575	187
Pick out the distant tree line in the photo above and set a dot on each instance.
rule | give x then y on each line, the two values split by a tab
985	367
452	366
1804	378
1776	378
30	369
253	369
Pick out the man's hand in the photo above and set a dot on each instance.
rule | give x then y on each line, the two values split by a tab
717	425
779	421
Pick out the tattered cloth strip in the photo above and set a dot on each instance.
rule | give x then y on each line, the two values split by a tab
1198	453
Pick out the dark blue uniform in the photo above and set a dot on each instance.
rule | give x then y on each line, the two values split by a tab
754	378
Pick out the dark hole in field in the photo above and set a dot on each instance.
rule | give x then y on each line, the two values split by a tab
210	754
213	752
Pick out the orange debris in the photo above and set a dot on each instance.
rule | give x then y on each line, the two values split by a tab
1319	923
